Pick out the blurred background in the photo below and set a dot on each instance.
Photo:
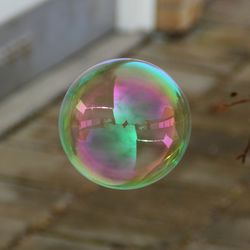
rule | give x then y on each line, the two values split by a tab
204	203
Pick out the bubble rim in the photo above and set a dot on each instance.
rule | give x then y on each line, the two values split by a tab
78	165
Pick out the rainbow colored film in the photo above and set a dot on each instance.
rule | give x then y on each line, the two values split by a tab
124	124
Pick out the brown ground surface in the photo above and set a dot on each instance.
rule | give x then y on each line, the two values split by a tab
202	205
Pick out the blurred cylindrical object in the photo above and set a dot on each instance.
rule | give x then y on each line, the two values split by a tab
178	16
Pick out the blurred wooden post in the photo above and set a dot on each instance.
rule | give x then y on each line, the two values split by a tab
178	16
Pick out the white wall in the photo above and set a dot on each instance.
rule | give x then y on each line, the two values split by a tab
11	8
135	15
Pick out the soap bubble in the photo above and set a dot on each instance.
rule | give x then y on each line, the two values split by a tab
124	123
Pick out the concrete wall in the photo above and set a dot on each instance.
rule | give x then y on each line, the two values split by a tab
36	36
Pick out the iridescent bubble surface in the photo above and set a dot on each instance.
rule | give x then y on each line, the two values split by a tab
124	124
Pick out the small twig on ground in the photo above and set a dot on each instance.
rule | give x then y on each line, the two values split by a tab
243	155
221	107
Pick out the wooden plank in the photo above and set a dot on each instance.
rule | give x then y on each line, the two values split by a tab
19	206
49	169
157	217
48	242
193	55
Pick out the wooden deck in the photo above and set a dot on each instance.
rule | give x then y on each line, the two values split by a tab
202	205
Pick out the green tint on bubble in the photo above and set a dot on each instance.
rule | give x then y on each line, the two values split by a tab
124	124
